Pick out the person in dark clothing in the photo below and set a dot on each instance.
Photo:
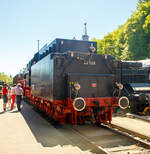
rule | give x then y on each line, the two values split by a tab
19	94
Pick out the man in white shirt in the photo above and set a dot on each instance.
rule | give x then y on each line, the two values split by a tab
19	94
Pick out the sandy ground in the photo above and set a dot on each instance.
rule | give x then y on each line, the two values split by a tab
16	137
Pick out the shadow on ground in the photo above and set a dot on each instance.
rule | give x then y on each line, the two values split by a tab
45	133
2	112
49	134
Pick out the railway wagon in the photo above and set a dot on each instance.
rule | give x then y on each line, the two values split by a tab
71	83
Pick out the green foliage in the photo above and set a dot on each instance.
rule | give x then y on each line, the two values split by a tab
142	1
132	40
7	79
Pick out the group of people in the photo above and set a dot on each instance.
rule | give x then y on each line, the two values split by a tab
16	93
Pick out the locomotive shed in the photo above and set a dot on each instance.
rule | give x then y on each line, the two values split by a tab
86	137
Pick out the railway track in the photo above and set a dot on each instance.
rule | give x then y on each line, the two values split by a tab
111	140
145	121
144	118
97	139
103	139
80	140
142	124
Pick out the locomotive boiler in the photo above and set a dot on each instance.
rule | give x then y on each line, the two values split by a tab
71	83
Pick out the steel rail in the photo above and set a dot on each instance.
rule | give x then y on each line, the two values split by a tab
138	117
96	149
131	134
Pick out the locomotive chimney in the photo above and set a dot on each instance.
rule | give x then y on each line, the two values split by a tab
38	44
85	37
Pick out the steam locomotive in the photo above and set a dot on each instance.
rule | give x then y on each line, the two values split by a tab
71	83
136	81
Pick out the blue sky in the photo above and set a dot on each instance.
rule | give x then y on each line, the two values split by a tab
23	22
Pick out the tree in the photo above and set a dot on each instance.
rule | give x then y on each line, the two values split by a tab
132	40
5	78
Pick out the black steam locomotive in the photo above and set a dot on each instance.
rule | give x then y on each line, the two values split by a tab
136	81
70	82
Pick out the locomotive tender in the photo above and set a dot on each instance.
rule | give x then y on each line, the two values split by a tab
70	82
